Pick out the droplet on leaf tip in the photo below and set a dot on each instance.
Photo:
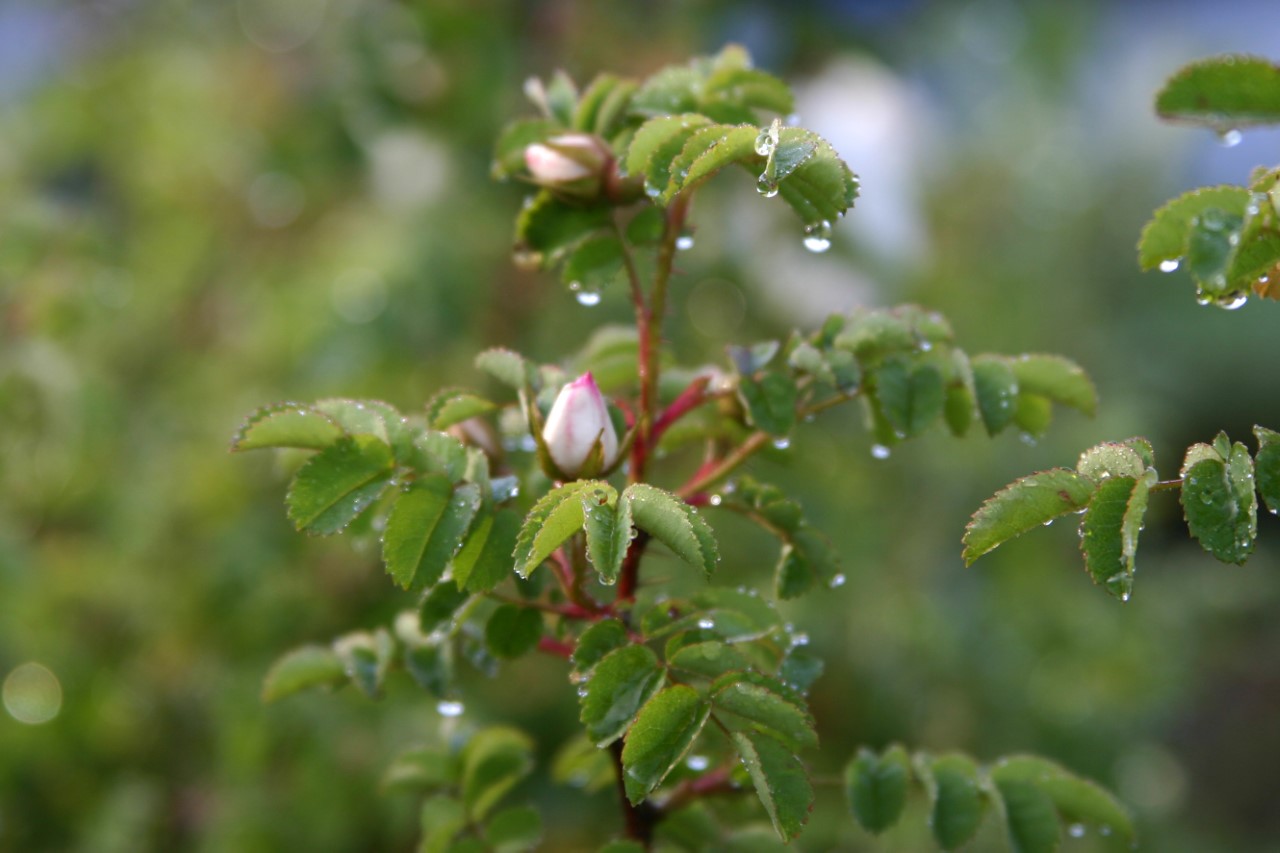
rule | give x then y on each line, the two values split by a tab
1170	265
817	236
879	451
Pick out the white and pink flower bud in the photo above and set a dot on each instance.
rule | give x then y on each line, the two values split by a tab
577	424
571	163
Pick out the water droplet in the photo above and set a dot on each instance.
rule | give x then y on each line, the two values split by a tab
782	443
879	451
1230	138
1170	265
766	187
926	346
800	640
1076	830
706	624
588	298
447	708
582	692
765	142
698	763
1047	523
684	242
817	237
715	500
1231	301
1124	596
837	581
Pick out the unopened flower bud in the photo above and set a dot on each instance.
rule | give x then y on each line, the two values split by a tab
572	164
579	424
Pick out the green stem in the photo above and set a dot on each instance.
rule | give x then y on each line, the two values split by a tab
1167	485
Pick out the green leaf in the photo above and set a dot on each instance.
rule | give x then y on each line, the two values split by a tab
1267	463
442	818
1218	501
996	387
747	88
1078	801
548	227
795	574
508	153
801	667
453	407
911	396
607	523
622	846
961	398
1223	92
592	264
597	641
785	719
512	630
876	787
423	768
709	658
308	666
662	733
1024	505
366	658
1033	414
439	606
1055	377
580	764
673	523
623	681
514	830
1164	239
1106	556
779	779
509	368
339	483
493	761
485	558
770	401
598	108
553	519
287	425
1211	243
1111	459
431	667
707	152
1029	815
425	527
956	797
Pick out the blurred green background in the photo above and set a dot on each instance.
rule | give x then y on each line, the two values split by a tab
209	206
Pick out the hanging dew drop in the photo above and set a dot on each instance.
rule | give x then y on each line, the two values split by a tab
706	624
1230	138
1076	830
698	763
879	451
715	500
447	708
684	242
1170	265
782	443
589	298
766	187
1232	302
837	581
817	237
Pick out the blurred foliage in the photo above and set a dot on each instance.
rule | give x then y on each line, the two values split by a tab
210	206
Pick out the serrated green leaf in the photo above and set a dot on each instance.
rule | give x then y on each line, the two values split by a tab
1164	239
1111	459
1211	242
442	818
1030	817
782	717
794	575
439	606
592	264
453	407
996	387
339	483
1077	800
1267	463
509	368
779	779
1024	505
547	227
957	802
308	666
673	523
911	395
553	519
1223	93
485	558
512	630
597	641
662	733
876	787
1108	551
493	761
770	401
710	658
1060	379
425	527
1219	503
607	522
514	830
620	684
287	425
708	151
747	89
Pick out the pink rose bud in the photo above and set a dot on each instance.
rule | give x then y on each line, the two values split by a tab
578	423
571	163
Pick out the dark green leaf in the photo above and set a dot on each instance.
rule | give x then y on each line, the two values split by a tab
425	527
339	483
1164	239
785	719
770	401
779	779
548	227
592	264
1077	800
308	666
996	387
673	523
485	558
442	819
493	761
911	396
1268	467
958	804
366	659
662	733
1030	816
1219	503
1024	505
710	658
1223	93
794	575
1109	531
431	666
801	667
439	605
597	641
512	630
1055	377
876	786
514	830
620	684
609	532
287	425
1211	243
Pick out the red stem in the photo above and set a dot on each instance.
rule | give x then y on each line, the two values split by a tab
690	398
552	646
